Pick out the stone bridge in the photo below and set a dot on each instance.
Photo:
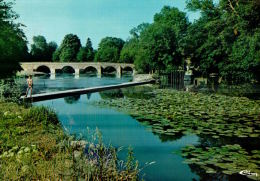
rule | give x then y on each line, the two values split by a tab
52	67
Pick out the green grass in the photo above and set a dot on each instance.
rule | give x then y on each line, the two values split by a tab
33	146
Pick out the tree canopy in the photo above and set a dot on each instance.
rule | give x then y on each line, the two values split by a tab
68	50
86	54
157	46
225	40
13	43
41	50
109	49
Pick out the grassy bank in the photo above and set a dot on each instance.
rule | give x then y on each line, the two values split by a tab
33	146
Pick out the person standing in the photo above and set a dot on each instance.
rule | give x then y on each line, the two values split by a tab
30	86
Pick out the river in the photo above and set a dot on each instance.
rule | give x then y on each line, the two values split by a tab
78	116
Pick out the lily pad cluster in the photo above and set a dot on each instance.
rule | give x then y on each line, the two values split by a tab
228	159
221	120
174	112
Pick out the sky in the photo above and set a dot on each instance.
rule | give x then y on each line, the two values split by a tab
95	19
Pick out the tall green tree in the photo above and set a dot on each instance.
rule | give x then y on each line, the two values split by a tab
109	49
131	46
89	50
51	48
160	47
13	43
129	50
86	53
224	40
41	50
68	50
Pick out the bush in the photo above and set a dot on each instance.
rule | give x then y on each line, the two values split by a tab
42	114
10	90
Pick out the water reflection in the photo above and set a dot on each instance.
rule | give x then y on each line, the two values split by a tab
121	129
111	94
72	99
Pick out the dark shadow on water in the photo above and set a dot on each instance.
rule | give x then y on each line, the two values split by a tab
111	94
139	92
72	99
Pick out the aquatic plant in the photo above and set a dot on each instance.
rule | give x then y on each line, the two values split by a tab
228	127
227	159
173	112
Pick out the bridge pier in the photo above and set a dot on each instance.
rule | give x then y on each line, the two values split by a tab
134	72
99	71
53	73
119	72
76	73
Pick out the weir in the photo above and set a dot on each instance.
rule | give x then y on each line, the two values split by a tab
72	92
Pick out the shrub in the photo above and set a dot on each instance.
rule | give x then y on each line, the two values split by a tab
42	114
10	90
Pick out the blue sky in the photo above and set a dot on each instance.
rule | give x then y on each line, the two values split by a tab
88	18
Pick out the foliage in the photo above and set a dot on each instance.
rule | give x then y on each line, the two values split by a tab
128	52
225	40
68	50
173	112
158	46
86	53
227	127
228	159
82	55
42	115
33	146
10	90
131	47
89	50
13	48
41	50
109	50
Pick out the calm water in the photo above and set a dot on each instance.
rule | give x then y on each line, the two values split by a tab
121	130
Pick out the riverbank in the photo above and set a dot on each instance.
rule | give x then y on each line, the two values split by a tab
228	128
33	145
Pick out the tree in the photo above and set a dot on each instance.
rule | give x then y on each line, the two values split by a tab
13	44
82	55
136	31
86	53
68	50
38	48
109	49
51	48
131	47
89	50
129	50
160	47
41	50
228	45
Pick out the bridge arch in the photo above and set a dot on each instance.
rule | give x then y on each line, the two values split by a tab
109	70
89	70
127	70
67	69
76	67
43	68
